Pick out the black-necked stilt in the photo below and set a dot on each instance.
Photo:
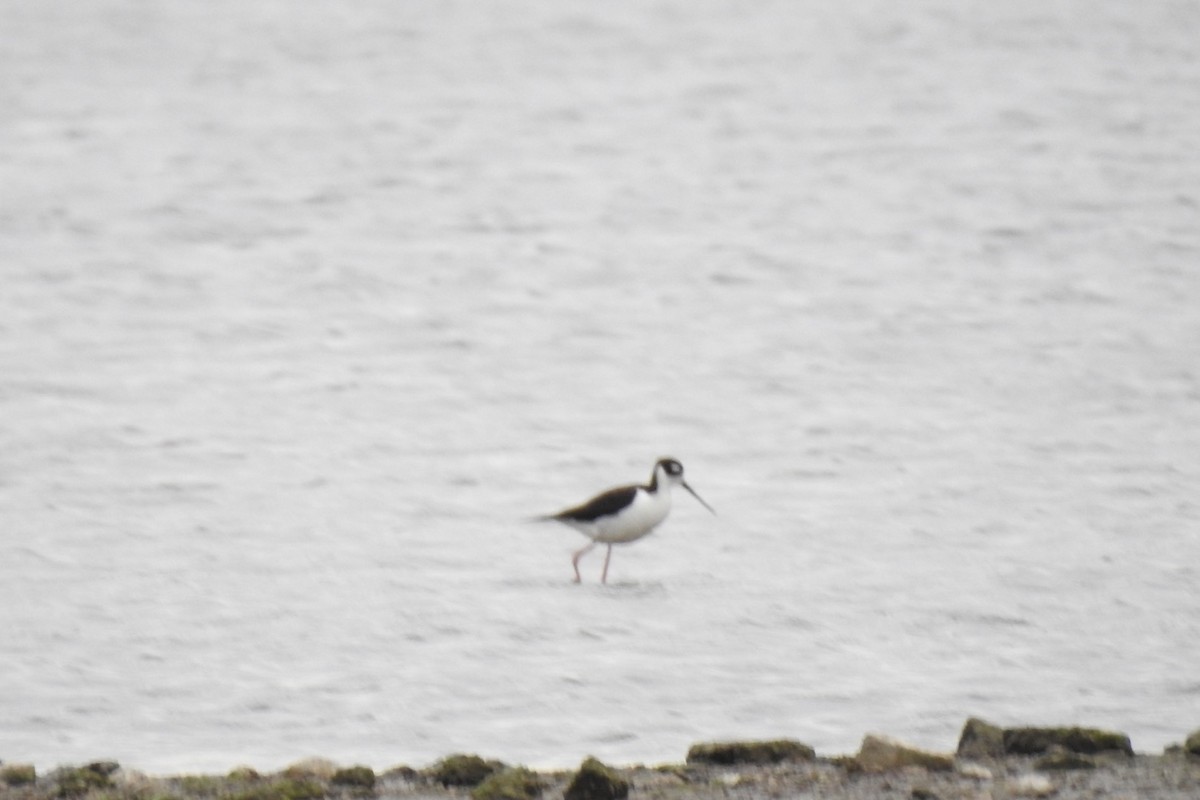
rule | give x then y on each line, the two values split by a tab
626	513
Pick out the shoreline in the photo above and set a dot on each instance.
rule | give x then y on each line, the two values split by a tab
1070	762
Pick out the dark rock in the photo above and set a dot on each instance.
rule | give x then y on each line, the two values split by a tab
1035	741
402	772
884	754
78	781
981	739
514	783
1192	745
357	777
1058	758
464	770
596	781
104	768
923	793
751	752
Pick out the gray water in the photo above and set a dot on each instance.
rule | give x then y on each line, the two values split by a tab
306	308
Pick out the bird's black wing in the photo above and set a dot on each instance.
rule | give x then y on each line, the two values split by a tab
609	502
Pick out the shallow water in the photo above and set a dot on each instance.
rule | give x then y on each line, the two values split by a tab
306	311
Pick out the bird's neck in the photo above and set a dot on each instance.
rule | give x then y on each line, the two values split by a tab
655	486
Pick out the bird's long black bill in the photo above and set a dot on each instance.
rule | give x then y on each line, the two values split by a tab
698	497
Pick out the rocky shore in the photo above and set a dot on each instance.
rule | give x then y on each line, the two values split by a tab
990	763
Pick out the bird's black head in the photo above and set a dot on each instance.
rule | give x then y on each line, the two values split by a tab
670	466
672	472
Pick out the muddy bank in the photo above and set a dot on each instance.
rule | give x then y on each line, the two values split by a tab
990	762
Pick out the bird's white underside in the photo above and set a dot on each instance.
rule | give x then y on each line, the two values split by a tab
635	521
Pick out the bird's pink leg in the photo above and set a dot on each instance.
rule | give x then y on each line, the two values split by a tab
604	575
578	555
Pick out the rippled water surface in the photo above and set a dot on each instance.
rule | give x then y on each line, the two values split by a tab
307	308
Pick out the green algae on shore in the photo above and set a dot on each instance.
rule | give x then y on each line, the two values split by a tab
511	783
596	780
1088	741
356	777
18	774
464	769
773	751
